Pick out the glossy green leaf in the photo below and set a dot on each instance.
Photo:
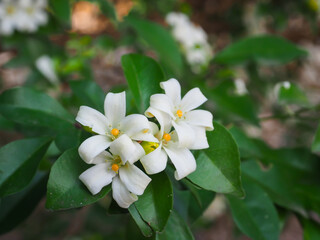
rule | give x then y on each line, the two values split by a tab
19	161
62	10
17	207
143	75
144	227
89	94
160	40
107	9
292	94
218	167
176	229
65	190
155	205
311	230
265	49
316	141
256	216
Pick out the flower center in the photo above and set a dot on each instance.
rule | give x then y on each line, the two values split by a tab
179	113
115	132
30	10
167	137
10	10
115	167
149	146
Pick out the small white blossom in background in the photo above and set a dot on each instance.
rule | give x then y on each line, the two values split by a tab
193	40
46	67
240	87
22	15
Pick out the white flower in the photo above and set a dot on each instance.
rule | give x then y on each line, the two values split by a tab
128	181
45	66
33	15
9	16
156	160
112	125
240	87
190	125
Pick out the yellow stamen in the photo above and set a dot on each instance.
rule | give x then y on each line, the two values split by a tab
115	167
167	137
179	113
115	132
146	130
10	10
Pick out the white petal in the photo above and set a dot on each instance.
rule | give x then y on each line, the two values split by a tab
163	119
172	89
155	162
200	118
153	128
185	133
163	103
115	107
183	160
126	149
102	158
201	141
147	137
93	146
133	124
46	67
93	119
134	179
121	194
193	99
96	177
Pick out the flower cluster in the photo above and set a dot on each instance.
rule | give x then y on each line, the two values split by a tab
121	140
193	40
22	15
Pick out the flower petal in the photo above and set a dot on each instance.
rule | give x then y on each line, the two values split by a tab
193	99
183	160
133	124
163	119
126	149
121	194
201	118
93	146
96	177
102	158
115	107
93	119
155	162
163	103
172	89
134	179
201	141
185	133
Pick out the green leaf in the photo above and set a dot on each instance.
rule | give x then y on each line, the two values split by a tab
19	161
230	104
176	229
265	49
160	40
292	94
89	93
316	141
17	207
143	75
256	216
144	227
311	230
65	190
218	167
107	9
155	205
61	9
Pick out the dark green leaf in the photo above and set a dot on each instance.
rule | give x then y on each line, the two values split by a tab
255	215
155	205
144	76
316	141
107	9
15	208
292	94
144	227
264	49
160	40
176	229
65	190
19	161
218	167
311	230
61	9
